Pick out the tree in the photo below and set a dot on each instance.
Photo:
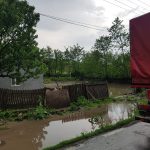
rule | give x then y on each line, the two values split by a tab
73	56
91	65
19	55
67	58
76	53
48	55
103	45
59	61
120	43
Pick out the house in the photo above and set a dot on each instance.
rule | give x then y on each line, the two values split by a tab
30	84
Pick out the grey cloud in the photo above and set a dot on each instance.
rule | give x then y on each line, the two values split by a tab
58	34
77	10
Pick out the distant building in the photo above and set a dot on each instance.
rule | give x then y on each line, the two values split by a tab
30	84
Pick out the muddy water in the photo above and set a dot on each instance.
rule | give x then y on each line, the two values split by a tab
115	89
119	89
35	135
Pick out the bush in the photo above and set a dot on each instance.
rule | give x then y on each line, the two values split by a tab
73	107
39	112
82	101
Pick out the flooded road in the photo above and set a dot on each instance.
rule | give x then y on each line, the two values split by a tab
36	135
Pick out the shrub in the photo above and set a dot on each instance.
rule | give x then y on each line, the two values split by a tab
73	107
39	112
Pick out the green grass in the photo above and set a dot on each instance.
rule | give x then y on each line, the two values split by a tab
91	134
143	101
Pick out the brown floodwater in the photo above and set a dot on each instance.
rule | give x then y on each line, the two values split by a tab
36	135
115	89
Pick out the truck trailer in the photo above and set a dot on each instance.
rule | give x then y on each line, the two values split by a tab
140	60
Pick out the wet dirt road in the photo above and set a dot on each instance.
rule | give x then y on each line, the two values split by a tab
133	137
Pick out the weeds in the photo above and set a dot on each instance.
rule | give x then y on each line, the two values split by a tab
41	112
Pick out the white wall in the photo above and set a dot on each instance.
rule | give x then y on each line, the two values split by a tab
27	85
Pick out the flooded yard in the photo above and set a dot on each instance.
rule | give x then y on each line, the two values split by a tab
115	89
36	135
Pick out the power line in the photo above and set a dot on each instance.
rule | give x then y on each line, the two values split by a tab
136	4
120	6
144	3
127	6
132	2
72	22
91	26
115	4
66	19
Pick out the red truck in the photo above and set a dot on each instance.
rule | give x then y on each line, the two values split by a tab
140	59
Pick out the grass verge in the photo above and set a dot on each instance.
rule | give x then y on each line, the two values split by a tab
91	134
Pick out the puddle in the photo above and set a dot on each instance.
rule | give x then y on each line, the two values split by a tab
36	135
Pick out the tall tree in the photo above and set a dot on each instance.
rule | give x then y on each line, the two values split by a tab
67	58
48	55
76	53
91	65
73	55
59	61
120	42
19	56
103	45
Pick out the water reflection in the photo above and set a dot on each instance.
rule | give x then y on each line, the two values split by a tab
120	111
115	113
36	135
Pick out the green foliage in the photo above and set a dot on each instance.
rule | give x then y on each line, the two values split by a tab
12	115
82	102
103	45
19	56
108	59
73	107
59	62
40	112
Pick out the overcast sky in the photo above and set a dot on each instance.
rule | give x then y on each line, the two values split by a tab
100	13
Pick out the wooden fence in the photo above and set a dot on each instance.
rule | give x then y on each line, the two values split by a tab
90	91
21	98
97	91
75	91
